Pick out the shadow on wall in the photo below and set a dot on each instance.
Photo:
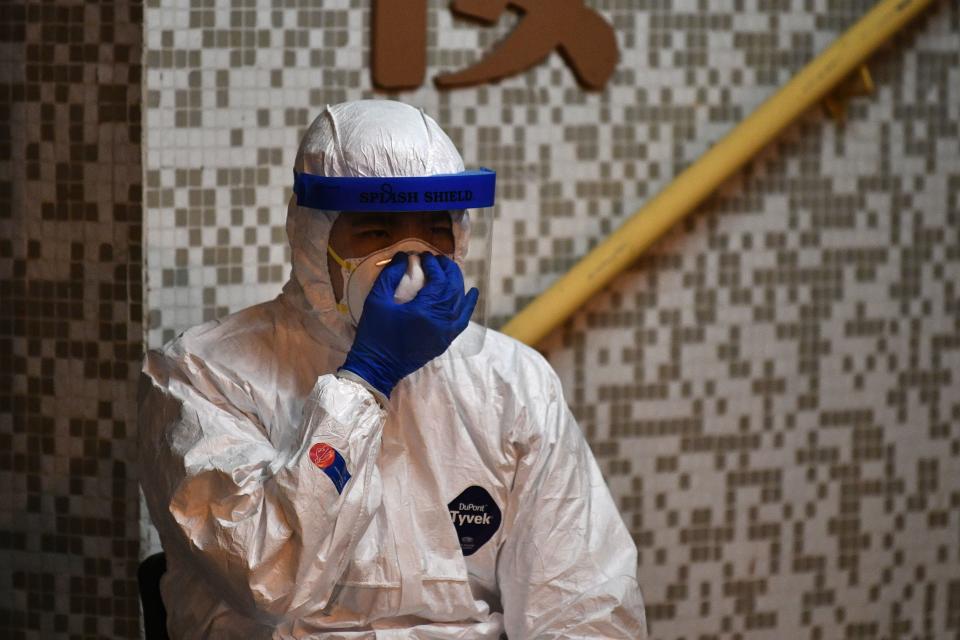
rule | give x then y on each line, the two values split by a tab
70	307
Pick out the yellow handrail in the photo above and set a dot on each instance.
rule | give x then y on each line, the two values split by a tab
691	187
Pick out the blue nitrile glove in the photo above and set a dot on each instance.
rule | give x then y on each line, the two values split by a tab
394	340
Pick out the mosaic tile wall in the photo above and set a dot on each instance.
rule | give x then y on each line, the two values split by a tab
773	391
71	335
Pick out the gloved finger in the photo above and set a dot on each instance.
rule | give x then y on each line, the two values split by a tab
452	297
454	290
452	270
436	282
467	308
388	280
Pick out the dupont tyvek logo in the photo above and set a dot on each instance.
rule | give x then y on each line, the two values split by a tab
476	517
331	463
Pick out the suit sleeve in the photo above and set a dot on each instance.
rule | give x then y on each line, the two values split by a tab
272	529
568	567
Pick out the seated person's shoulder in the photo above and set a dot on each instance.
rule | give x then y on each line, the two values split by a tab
233	343
519	367
504	350
524	391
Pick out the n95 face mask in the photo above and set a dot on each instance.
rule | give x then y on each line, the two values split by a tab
359	274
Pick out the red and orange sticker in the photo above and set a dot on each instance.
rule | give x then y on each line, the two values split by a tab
323	455
329	460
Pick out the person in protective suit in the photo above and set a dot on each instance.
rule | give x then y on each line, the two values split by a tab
315	476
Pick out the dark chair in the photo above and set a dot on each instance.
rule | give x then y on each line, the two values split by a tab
154	613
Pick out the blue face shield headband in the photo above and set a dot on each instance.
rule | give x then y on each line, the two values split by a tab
464	190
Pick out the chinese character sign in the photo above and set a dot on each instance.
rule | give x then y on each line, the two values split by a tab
579	34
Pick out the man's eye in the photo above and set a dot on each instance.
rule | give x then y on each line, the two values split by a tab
374	233
442	229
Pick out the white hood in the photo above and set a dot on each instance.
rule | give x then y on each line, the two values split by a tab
366	138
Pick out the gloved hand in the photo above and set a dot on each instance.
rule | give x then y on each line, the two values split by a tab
394	340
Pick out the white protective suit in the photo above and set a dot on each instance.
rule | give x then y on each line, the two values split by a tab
259	542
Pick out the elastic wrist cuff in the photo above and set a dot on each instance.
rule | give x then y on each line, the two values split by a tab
381	399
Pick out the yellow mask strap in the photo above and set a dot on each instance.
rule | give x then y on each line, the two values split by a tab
340	261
